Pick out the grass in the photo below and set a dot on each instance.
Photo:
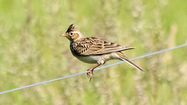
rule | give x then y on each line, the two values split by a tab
32	51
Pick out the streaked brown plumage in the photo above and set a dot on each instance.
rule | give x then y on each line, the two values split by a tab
95	46
95	50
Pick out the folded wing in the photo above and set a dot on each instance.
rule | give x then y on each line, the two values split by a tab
96	46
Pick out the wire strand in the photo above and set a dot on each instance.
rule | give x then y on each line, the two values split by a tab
97	69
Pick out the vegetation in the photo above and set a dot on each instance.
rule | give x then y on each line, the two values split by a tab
32	51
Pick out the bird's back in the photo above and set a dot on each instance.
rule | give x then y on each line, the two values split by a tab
95	46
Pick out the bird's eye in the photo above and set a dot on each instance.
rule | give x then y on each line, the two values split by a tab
71	34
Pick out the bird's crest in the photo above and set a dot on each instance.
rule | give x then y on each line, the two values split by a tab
71	28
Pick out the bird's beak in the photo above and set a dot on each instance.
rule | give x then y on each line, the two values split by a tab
64	35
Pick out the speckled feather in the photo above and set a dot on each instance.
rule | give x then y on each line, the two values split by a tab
95	46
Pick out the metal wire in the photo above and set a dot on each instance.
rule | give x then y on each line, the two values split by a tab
97	69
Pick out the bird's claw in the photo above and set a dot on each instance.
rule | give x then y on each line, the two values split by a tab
90	74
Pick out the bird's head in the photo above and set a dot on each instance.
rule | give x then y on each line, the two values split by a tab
72	33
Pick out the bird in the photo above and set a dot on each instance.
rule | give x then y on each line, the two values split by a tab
95	50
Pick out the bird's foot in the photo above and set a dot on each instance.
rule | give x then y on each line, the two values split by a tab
90	74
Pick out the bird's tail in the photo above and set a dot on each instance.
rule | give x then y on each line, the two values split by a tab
130	62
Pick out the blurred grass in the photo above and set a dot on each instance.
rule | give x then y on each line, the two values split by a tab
32	51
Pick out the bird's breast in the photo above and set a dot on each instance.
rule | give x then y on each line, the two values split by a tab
86	59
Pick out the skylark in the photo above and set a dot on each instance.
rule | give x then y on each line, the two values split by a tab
94	50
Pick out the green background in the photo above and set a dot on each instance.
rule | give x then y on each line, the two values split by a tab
31	51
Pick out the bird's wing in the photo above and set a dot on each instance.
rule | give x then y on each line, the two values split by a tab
96	46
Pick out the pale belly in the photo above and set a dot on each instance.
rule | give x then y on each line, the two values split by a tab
98	59
89	59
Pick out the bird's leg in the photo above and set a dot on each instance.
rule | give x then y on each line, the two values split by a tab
91	70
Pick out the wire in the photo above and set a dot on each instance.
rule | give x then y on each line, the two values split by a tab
97	69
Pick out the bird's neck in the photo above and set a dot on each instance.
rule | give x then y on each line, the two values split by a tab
77	37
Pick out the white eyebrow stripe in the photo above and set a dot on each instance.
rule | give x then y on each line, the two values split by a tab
75	31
